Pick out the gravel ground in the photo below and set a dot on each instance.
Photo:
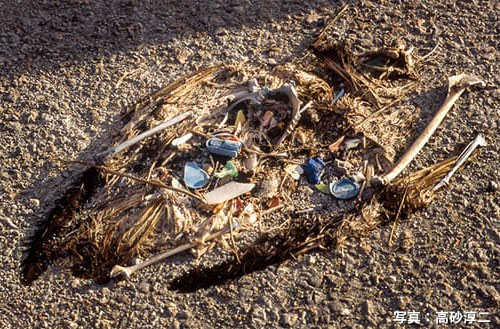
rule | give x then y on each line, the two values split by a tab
68	69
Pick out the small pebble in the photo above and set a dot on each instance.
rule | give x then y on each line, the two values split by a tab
135	261
35	202
289	319
182	315
493	186
367	308
391	279
144	287
75	283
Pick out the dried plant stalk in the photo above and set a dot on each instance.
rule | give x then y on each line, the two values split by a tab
416	190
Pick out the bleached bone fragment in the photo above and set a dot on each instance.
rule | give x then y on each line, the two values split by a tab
162	126
466	153
289	90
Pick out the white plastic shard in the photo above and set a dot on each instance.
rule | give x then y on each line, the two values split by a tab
294	171
351	143
227	192
182	140
251	162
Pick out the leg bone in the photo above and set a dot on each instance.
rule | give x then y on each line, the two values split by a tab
456	86
127	271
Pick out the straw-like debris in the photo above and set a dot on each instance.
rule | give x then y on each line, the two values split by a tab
415	191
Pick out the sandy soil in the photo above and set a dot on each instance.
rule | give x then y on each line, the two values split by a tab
68	69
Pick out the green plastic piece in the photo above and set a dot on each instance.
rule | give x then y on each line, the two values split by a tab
228	170
323	188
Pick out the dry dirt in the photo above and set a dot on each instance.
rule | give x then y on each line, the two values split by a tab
68	69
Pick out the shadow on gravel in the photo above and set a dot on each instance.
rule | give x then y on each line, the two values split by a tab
38	35
67	194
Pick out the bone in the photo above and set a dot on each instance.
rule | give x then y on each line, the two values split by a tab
290	91
252	97
457	84
162	126
478	141
128	271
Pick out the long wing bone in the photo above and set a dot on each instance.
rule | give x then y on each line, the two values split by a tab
456	86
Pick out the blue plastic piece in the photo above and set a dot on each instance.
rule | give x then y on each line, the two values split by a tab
339	94
223	147
344	189
194	176
314	169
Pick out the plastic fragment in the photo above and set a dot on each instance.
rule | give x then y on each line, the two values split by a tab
335	146
229	170
240	119
323	188
238	207
344	189
314	170
177	184
248	215
351	143
358	177
251	162
182	140
337	97
194	176
227	192
274	202
224	120
294	171
223	147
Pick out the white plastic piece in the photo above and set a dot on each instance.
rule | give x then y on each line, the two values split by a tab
351	143
294	171
182	140
227	192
